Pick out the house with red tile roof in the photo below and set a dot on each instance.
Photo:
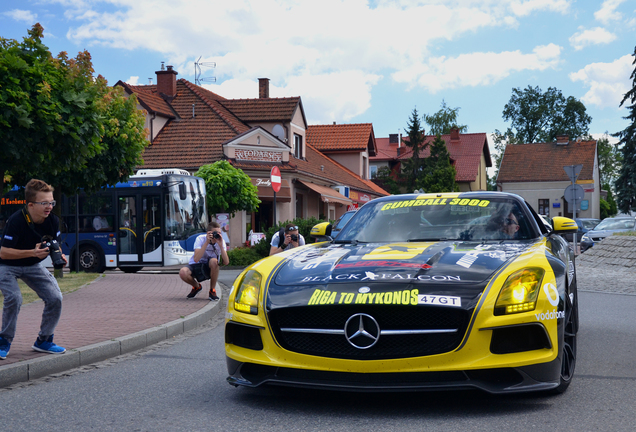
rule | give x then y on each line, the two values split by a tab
535	172
469	154
190	126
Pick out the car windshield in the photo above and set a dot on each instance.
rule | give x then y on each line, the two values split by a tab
615	224
417	218
589	223
343	220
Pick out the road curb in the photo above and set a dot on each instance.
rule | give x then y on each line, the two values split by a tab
43	366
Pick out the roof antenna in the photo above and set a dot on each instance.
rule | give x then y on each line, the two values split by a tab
197	72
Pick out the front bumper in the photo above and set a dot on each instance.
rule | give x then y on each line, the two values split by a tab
539	377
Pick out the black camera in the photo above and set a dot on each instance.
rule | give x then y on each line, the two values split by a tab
54	251
294	237
216	235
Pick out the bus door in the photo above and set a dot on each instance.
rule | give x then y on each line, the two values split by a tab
139	241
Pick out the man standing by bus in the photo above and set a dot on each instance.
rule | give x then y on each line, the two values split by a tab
21	256
204	263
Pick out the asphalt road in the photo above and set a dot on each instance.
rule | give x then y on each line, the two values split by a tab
180	386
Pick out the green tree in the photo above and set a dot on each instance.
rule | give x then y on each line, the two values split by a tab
50	116
228	189
609	207
438	173
609	161
443	121
412	167
384	178
626	182
536	116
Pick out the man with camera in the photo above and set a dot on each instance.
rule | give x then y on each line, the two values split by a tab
30	236
285	239
204	264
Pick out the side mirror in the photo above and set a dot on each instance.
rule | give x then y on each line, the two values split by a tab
321	232
562	225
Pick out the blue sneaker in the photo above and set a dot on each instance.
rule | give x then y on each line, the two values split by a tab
4	348
47	346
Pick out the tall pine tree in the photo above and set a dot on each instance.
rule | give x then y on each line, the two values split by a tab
626	182
439	174
412	167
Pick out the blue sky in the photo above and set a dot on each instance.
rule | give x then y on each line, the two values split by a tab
356	61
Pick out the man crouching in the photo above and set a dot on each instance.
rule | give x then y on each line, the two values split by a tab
204	264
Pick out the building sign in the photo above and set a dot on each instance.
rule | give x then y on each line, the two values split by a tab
9	201
262	182
355	196
259	155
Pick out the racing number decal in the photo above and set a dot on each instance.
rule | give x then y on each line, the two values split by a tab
396	252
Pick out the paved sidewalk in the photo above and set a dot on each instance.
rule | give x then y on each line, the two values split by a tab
115	314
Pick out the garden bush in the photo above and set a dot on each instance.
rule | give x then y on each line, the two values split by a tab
242	257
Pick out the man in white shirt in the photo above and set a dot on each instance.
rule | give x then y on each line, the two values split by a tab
204	264
292	238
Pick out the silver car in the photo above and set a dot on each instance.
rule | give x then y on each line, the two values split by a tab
607	227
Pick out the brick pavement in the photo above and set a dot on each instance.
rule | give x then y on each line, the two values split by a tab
112	306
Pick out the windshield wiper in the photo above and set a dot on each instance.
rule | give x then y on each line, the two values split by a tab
353	242
429	239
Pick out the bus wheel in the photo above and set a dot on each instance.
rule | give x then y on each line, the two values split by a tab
130	269
91	260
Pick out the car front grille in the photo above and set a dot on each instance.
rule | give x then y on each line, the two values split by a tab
405	331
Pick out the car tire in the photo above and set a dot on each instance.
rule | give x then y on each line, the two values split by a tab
91	261
568	348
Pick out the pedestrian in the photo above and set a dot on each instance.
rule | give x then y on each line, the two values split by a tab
209	248
286	239
21	257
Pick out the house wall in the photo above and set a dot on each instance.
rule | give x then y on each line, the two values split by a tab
533	191
352	161
298	127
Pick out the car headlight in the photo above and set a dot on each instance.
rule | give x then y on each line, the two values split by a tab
585	237
246	299
519	292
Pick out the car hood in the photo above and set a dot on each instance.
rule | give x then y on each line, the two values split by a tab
444	266
603	233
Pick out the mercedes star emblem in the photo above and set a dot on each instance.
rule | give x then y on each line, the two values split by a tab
362	331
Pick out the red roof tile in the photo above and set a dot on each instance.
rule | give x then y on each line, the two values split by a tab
545	161
149	99
465	152
339	137
264	109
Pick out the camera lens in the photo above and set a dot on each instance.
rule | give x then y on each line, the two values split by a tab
294	237
216	235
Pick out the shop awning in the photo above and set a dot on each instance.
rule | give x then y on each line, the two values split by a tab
266	193
327	194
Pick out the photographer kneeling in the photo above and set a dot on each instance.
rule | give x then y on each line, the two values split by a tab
285	239
204	264
30	236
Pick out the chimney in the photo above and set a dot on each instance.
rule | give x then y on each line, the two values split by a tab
454	134
562	139
167	82
393	138
263	88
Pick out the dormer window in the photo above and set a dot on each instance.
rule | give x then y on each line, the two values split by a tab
298	146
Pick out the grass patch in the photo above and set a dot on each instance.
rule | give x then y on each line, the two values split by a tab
69	283
626	233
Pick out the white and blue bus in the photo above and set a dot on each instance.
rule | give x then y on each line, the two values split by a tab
149	221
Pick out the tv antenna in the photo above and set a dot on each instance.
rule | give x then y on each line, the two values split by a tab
197	72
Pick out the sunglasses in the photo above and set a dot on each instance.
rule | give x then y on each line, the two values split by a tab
510	221
292	228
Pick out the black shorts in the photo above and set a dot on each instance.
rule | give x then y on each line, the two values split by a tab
200	271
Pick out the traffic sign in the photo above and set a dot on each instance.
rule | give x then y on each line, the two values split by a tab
573	171
275	179
574	193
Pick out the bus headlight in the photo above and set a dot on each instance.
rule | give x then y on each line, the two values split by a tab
519	292
246	299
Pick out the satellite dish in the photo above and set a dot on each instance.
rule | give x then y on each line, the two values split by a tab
279	131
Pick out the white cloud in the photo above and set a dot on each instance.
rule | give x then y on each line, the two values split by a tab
477	68
133	80
595	36
607	13
608	82
25	16
526	7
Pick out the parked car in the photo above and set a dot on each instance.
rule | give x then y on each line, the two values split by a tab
607	227
584	224
341	222
412	295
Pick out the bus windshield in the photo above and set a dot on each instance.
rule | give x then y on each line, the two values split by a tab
188	216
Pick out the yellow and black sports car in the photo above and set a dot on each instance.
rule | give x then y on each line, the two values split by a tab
417	292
